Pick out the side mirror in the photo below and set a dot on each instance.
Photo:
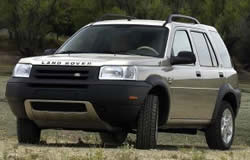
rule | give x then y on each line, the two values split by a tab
184	57
49	51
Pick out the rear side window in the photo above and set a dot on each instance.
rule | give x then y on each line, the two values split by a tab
202	49
221	49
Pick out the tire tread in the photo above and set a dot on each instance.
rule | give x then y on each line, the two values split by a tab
28	132
146	129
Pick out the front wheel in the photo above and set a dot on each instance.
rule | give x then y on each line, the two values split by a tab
147	126
220	134
113	138
28	132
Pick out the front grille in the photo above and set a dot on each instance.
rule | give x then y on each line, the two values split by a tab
64	72
58	107
62	77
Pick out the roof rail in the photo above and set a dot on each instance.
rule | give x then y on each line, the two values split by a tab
172	16
114	16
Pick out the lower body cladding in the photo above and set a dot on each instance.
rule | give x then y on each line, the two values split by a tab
97	107
83	117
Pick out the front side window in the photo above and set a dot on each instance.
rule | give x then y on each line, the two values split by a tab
119	39
181	43
202	49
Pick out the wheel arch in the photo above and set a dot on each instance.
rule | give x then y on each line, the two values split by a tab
229	94
231	98
160	89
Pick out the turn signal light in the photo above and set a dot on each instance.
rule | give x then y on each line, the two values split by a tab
132	98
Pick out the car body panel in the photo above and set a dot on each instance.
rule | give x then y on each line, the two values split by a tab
91	60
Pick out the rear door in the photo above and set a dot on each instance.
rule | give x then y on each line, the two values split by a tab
211	73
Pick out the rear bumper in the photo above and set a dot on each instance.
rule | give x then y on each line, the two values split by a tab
110	99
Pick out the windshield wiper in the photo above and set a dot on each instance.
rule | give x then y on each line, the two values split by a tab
117	52
69	52
130	52
122	52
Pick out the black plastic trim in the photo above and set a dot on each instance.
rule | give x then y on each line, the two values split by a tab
223	91
117	16
158	81
180	131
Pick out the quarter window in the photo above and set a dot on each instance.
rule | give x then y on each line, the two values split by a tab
181	43
222	50
212	53
202	49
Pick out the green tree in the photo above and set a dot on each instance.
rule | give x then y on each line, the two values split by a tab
28	20
61	22
4	14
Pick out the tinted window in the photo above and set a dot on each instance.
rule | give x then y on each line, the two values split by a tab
222	49
181	43
202	49
212	53
119	39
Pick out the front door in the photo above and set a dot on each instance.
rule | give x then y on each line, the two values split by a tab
186	83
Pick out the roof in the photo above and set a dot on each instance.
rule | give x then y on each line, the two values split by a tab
196	26
152	23
131	22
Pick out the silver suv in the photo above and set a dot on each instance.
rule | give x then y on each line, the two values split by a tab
130	76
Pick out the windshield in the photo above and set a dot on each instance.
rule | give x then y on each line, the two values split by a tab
118	39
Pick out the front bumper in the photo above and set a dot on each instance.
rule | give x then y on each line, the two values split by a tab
110	99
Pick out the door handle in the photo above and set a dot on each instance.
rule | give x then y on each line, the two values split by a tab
198	74
221	74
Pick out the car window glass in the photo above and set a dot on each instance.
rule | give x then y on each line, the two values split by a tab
181	43
212	53
119	39
222	49
202	49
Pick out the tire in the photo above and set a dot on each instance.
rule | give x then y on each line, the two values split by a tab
113	138
147	124
28	132
214	134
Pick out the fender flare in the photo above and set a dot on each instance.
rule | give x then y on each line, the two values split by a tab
225	89
158	81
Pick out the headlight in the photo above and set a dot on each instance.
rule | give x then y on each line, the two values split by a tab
118	73
22	70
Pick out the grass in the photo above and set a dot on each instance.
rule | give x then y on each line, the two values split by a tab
77	145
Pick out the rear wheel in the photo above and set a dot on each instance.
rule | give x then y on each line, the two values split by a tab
220	134
28	132
147	126
116	138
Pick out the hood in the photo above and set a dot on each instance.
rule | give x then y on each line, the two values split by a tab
92	60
